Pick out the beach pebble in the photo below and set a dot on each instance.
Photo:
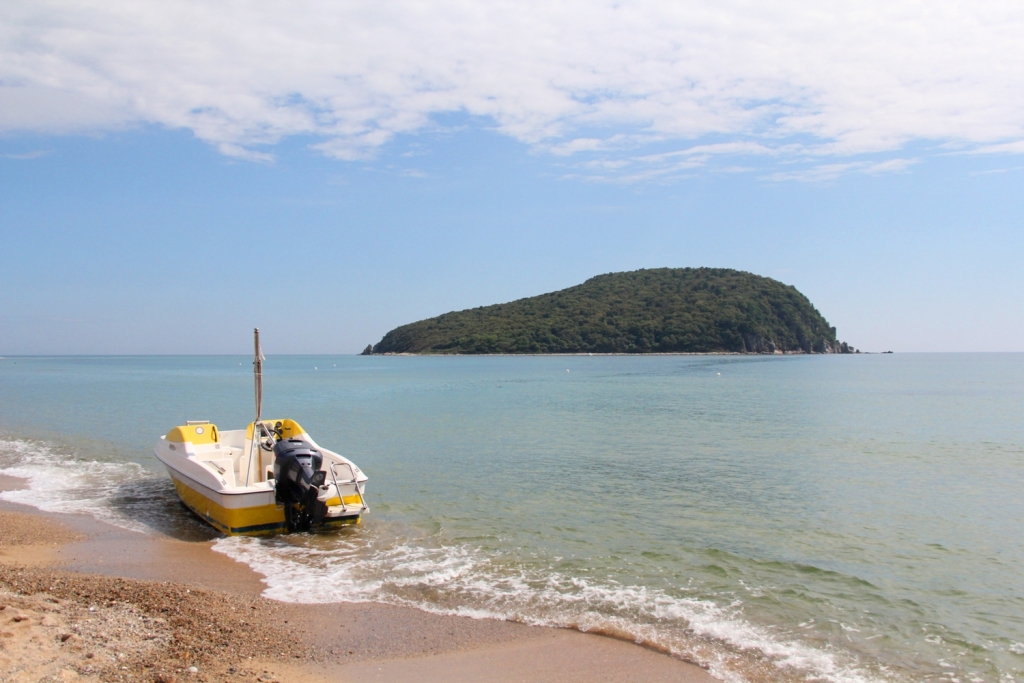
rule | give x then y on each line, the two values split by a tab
193	670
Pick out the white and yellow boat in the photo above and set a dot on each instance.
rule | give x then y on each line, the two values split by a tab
268	478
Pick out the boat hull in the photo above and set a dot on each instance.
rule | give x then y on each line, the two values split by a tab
240	514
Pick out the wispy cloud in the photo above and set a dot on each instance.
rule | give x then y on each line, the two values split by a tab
674	164
995	171
846	79
734	169
826	172
1016	147
614	142
707	151
27	155
889	166
244	153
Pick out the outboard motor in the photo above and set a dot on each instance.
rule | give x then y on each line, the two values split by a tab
298	476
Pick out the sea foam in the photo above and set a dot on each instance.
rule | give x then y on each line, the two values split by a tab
57	482
120	493
466	581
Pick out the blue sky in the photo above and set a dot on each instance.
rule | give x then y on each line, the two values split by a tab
331	173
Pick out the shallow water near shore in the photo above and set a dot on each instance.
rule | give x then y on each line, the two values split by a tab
773	518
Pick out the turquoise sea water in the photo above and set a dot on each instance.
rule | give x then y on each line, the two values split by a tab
836	518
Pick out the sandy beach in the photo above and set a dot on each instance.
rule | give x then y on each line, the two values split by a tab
85	601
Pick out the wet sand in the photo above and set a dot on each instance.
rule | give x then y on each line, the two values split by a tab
83	600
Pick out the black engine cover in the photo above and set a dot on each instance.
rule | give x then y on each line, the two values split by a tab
297	473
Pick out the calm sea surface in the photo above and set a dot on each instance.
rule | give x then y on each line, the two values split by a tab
836	518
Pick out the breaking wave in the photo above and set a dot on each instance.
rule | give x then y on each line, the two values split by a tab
60	479
467	581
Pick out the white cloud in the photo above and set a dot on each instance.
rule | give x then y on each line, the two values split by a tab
571	78
826	172
232	150
25	156
1016	147
890	166
680	163
995	171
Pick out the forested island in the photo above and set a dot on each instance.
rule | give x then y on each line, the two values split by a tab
662	310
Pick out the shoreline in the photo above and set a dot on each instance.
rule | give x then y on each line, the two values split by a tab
604	353
95	602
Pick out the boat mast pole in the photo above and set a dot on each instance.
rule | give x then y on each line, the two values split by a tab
257	368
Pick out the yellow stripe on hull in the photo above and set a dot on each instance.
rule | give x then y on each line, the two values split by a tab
349	500
258	520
